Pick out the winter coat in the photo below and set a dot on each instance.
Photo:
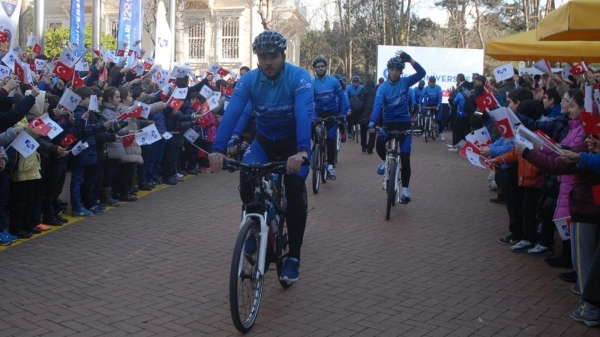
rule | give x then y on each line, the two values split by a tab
8	118
589	161
574	137
581	199
529	175
26	168
115	148
556	128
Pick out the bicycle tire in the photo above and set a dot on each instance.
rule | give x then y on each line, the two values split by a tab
432	125
243	318
426	128
323	169
316	168
391	188
356	132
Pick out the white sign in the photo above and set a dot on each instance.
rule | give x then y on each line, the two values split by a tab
25	144
152	132
69	100
162	38
191	135
142	138
504	72
167	135
93	103
442	63
77	149
56	129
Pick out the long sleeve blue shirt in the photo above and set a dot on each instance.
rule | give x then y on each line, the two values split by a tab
328	93
354	92
392	98
281	107
589	161
415	96
431	96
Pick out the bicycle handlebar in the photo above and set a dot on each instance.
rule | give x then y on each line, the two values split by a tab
330	118
398	133
233	165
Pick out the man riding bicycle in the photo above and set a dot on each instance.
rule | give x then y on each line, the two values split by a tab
392	97
431	98
282	98
329	96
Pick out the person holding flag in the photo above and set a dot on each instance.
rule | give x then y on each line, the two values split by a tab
84	173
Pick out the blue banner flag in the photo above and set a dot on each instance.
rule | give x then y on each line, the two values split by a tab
131	13
77	32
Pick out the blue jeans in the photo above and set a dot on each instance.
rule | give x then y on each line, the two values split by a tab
83	179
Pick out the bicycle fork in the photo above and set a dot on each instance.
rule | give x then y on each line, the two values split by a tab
264	240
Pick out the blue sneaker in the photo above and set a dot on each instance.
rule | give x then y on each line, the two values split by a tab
578	317
10	236
404	199
381	168
5	240
291	270
96	209
250	246
82	212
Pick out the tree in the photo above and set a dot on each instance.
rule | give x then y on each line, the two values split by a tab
58	38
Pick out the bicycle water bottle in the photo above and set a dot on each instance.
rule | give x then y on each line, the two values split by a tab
272	218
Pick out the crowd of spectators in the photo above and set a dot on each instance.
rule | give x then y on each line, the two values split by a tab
113	167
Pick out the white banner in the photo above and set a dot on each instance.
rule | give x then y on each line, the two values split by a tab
443	63
162	38
9	20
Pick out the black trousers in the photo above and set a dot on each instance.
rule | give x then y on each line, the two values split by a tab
53	179
460	129
514	201
370	144
22	204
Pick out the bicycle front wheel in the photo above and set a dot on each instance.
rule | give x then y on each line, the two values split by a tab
391	186
426	128
245	280
317	166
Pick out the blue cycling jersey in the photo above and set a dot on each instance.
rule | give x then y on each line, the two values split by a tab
354	92
415	96
431	96
281	107
393	98
328	93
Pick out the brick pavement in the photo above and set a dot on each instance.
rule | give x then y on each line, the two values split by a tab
159	266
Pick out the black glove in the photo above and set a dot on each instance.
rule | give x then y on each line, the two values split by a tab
404	57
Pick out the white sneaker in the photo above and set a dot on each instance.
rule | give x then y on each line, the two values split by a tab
453	149
442	137
331	172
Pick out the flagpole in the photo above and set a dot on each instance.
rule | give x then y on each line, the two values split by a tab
39	20
198	147
96	15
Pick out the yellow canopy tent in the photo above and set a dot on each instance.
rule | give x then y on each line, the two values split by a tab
576	20
525	47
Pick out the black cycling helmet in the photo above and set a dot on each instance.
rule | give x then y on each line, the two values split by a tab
343	79
269	41
395	62
319	59
432	79
421	82
355	78
337	76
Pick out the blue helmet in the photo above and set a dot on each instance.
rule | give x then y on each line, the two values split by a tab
337	77
269	41
343	79
395	62
319	59
355	78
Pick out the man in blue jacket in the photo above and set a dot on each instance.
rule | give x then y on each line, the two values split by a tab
283	99
392	97
431	96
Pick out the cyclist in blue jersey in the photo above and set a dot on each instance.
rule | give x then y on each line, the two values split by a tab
432	97
282	99
415	97
329	99
392	97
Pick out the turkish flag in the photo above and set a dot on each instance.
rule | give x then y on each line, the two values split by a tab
77	81
486	101
225	91
505	128
104	75
41	128
32	65
579	69
64	72
120	52
128	140
469	147
487	163
196	105
204	108
69	140
172	81
3	37
147	66
230	80
97	52
37	49
596	192
175	103
222	72
20	72
590	123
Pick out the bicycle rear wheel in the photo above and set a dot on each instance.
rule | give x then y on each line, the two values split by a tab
322	164
245	280
426	128
391	186
316	166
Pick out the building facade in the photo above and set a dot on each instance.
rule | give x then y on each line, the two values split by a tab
206	31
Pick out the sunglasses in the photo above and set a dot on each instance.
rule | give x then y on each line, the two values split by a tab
320	66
